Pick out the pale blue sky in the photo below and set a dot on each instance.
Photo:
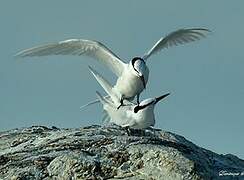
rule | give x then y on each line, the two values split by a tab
205	78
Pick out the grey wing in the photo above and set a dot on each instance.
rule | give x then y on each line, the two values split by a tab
78	47
175	38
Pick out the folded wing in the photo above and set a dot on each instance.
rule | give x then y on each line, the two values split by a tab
106	86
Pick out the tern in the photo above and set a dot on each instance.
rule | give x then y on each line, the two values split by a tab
132	76
135	116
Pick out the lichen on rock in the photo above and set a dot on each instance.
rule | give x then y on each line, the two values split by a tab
107	152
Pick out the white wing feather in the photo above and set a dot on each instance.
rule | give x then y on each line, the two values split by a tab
106	86
175	38
92	102
104	101
78	47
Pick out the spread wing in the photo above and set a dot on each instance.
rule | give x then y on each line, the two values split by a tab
175	38
78	47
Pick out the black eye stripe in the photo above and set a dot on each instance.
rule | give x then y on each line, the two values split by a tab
138	108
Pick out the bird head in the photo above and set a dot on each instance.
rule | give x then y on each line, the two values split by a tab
139	68
149	103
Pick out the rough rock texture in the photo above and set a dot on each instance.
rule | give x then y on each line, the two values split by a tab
98	152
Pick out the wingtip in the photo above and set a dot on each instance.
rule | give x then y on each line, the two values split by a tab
23	54
208	30
200	29
203	31
91	70
18	55
99	95
89	67
88	104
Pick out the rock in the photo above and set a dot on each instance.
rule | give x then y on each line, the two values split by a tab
99	152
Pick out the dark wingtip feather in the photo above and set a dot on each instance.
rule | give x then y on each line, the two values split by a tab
19	55
200	29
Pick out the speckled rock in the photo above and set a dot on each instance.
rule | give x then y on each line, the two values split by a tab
108	152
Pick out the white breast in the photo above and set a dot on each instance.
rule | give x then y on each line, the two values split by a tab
122	117
144	118
129	84
125	116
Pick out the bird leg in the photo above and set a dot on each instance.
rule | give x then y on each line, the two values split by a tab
121	102
128	130
138	99
141	132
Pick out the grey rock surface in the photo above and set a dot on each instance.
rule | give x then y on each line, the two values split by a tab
99	152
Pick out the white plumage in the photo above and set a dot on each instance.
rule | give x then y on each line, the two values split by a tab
132	76
131	115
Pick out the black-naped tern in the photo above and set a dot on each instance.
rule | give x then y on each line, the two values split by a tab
136	116
132	76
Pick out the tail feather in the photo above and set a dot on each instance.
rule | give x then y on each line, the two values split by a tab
106	117
103	100
93	102
89	104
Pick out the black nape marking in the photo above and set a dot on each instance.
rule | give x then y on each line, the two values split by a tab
134	60
138	108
